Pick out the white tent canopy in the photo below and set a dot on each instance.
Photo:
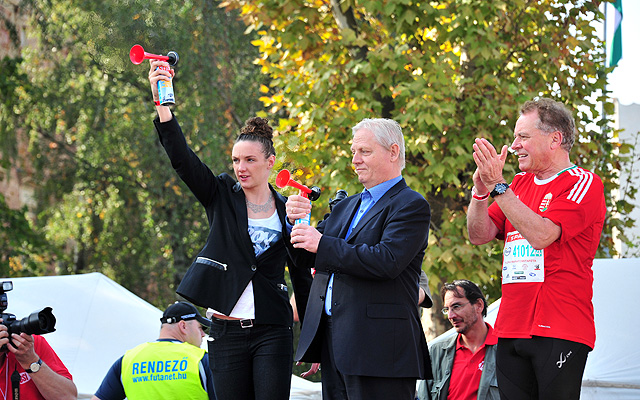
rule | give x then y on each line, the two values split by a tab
97	321
613	367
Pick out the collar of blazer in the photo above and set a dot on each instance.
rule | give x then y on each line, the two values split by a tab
374	210
242	222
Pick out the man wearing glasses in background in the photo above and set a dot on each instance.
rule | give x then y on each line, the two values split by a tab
464	365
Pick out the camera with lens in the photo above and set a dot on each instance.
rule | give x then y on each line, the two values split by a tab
38	323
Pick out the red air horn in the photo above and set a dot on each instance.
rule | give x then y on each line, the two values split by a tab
137	55
284	179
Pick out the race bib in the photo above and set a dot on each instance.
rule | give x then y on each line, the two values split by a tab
521	262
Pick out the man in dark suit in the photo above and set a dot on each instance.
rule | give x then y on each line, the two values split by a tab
361	320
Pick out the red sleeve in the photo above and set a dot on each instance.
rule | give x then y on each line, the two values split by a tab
498	218
46	353
579	207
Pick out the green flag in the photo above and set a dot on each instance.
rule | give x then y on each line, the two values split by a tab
615	49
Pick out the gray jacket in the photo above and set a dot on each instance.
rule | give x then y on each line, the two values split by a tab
442	354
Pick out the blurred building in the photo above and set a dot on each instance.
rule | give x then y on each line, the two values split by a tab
628	119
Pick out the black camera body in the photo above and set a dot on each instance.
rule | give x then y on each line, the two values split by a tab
37	323
340	195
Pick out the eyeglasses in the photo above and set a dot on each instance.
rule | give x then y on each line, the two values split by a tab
455	308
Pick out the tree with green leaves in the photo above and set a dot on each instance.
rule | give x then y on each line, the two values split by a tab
448	71
20	241
107	197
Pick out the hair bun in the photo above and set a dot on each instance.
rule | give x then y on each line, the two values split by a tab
257	126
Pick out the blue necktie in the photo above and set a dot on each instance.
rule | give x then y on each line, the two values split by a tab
366	202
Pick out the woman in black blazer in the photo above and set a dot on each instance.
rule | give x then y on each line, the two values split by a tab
239	274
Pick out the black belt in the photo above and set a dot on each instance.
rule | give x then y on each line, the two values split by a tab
243	323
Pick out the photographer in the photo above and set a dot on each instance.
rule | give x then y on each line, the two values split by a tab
30	363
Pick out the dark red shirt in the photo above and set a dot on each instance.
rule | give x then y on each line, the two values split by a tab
467	369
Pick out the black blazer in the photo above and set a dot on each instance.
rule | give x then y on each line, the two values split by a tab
227	263
376	323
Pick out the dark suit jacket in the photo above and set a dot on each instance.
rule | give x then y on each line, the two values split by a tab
227	263
376	323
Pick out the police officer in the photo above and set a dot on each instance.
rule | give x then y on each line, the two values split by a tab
172	367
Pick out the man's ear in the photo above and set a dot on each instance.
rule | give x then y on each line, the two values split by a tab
395	152
556	140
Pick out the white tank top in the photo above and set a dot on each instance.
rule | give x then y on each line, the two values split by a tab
264	232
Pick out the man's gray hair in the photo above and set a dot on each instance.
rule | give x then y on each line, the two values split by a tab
387	132
553	116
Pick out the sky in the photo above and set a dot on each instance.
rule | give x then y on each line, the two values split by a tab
624	81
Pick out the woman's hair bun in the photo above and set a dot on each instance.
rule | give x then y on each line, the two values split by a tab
257	126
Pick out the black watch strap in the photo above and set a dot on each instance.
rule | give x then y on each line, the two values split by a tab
499	189
30	370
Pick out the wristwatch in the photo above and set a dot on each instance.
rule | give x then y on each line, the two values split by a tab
34	367
499	189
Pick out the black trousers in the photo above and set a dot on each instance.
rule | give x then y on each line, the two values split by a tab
251	363
540	368
339	386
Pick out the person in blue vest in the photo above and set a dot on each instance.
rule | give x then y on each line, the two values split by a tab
172	367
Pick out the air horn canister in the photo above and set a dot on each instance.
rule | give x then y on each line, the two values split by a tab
165	87
283	179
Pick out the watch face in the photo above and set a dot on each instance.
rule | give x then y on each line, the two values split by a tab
500	188
35	367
